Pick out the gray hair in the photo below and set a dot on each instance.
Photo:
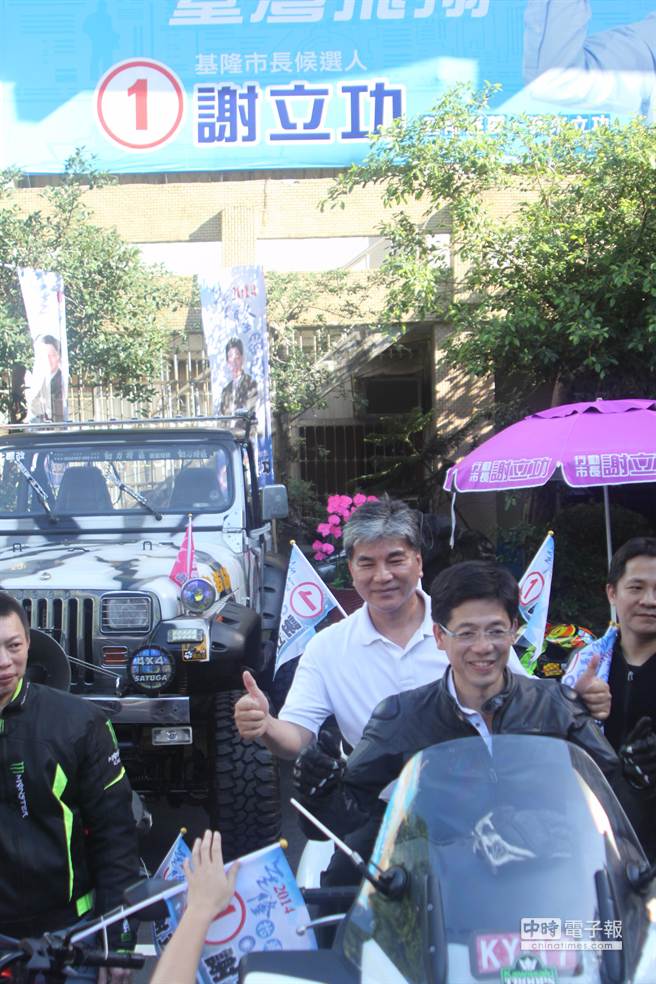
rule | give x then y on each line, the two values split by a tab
385	519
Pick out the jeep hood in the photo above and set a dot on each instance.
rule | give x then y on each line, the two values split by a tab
94	565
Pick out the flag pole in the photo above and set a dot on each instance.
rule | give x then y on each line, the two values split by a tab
189	546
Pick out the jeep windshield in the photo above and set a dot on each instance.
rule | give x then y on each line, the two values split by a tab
106	478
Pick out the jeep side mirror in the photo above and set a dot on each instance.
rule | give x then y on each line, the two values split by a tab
274	502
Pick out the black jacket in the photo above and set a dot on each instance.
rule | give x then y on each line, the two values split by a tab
66	825
633	689
408	722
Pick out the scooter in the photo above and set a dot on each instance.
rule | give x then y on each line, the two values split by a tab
515	864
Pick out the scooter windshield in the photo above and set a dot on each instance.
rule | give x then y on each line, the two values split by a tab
516	859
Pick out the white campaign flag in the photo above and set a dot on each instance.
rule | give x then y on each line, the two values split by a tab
534	594
47	390
306	602
263	914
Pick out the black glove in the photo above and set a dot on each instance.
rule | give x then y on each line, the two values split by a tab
319	767
638	755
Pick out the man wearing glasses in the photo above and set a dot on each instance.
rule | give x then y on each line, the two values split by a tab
474	607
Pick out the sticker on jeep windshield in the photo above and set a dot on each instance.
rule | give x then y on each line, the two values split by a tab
165	452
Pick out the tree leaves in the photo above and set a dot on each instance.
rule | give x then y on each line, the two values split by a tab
114	303
553	239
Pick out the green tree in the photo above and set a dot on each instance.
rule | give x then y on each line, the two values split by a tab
114	303
329	304
552	279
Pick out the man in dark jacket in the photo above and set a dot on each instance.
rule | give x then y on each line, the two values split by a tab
67	834
474	607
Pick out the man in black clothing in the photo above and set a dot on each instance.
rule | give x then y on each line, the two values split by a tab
632	589
67	834
474	608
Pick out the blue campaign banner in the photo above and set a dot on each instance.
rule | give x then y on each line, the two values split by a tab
194	85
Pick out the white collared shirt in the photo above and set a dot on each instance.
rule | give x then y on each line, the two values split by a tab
475	718
348	668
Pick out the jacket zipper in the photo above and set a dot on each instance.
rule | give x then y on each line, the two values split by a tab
627	696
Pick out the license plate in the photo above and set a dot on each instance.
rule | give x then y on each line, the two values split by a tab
493	952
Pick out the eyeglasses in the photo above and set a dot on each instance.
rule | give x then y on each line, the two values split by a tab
469	636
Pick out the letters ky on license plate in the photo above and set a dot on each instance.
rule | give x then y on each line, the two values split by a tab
491	952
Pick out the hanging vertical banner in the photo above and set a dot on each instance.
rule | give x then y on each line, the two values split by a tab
235	330
47	385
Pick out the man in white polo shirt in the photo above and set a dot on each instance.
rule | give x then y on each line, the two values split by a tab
385	648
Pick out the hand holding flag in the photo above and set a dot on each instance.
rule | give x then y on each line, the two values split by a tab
601	650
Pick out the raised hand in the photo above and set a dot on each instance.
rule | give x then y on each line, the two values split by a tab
251	710
594	691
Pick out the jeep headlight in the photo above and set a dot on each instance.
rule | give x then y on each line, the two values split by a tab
124	612
197	595
151	668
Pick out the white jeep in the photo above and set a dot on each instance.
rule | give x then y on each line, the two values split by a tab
92	517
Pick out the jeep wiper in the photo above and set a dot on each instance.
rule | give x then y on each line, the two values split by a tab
39	492
137	496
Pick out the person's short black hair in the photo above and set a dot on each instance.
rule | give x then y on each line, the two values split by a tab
638	546
51	340
473	580
235	343
12	606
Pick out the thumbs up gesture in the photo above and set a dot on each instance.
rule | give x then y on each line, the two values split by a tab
251	710
594	691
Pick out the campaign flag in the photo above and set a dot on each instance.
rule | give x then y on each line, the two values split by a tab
171	870
306	602
580	661
534	593
233	312
47	385
263	914
185	563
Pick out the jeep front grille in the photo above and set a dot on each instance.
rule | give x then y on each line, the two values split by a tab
70	621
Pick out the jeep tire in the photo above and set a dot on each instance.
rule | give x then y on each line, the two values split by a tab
244	789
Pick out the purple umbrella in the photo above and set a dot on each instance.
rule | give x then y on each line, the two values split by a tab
608	442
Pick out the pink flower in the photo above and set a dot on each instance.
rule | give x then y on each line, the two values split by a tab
336	531
328	549
333	503
359	499
372	498
324	529
332	522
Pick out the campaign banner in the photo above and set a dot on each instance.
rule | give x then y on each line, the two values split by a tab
46	391
580	661
263	914
306	602
534	595
233	311
207	85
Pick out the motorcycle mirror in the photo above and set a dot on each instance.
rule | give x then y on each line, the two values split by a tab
141	891
640	875
391	883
